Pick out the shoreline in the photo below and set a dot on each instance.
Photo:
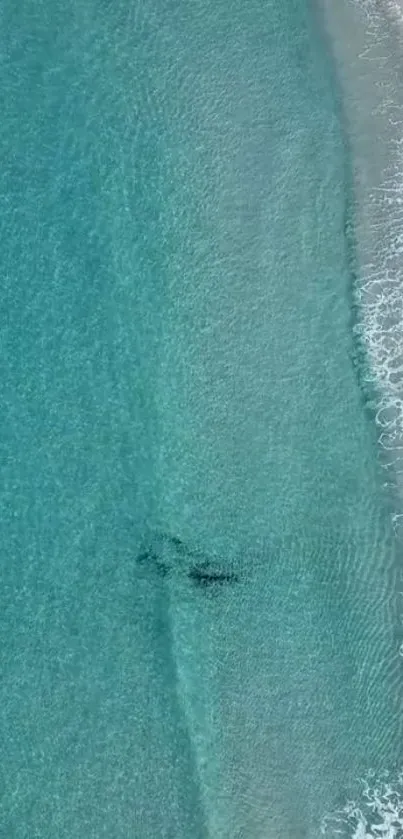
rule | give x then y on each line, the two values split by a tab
369	62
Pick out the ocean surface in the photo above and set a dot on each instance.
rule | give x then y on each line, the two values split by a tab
200	557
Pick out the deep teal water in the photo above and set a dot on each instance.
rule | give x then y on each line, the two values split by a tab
177	381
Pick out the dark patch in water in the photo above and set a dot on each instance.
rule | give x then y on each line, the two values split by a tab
200	573
177	543
151	558
147	556
162	568
204	576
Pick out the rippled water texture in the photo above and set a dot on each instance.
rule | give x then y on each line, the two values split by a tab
370	66
198	608
365	38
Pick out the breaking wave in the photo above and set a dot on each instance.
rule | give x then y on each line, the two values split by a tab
377	813
379	286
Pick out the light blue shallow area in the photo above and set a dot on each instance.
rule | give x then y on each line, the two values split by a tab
177	360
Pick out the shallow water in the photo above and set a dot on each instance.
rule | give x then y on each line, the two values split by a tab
370	68
199	619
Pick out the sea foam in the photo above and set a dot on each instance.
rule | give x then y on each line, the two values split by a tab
376	813
379	290
370	67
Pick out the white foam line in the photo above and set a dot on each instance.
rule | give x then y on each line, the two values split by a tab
397	9
368	46
377	813
380	201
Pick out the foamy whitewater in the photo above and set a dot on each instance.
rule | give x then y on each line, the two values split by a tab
369	45
377	814
367	41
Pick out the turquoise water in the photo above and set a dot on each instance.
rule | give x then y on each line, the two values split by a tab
198	613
